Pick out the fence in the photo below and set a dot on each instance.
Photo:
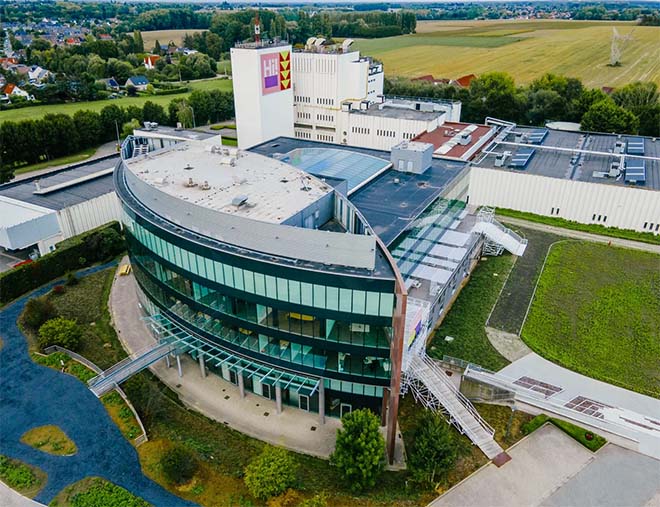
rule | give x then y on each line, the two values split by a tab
86	362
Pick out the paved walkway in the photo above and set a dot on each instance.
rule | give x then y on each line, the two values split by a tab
10	498
632	415
509	345
625	243
220	400
34	395
103	151
549	468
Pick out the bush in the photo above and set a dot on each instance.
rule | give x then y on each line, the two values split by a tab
71	279
15	474
318	500
271	473
178	465
60	331
433	452
105	494
38	311
71	254
360	448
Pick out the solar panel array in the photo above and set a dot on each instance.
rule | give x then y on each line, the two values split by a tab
635	146
537	136
356	168
521	158
635	170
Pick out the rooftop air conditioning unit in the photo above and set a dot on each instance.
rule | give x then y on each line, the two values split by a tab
465	139
500	159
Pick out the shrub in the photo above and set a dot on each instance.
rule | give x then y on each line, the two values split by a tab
271	473
37	311
71	254
60	331
178	465
16	474
359	451
318	500
105	494
433	452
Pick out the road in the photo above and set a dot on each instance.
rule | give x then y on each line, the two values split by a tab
586	236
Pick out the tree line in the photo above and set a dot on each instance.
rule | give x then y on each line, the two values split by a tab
631	109
57	135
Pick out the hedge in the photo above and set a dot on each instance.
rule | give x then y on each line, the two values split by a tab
71	254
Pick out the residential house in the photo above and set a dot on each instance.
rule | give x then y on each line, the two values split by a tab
150	61
11	90
464	81
38	75
140	83
112	84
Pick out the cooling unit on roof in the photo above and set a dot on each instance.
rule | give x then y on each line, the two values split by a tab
537	136
635	146
635	171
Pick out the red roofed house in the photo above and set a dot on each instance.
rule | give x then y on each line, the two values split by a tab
430	79
150	61
12	90
464	81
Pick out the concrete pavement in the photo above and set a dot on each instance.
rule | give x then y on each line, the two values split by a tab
586	236
10	498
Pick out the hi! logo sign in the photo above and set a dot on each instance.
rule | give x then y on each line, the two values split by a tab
275	72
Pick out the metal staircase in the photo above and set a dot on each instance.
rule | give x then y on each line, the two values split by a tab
432	387
498	237
126	368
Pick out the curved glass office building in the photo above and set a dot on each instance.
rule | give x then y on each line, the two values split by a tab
267	275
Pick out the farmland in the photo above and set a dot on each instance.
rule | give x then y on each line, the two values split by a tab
597	311
524	49
36	112
165	37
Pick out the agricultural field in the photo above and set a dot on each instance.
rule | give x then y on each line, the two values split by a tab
166	36
36	112
597	311
524	49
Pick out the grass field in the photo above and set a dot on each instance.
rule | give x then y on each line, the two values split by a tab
165	37
467	317
597	311
33	113
524	49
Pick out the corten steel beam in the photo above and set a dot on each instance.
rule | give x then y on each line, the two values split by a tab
396	351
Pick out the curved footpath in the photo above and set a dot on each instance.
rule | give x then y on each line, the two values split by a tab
32	395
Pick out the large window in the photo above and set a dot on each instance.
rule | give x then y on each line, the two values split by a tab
380	304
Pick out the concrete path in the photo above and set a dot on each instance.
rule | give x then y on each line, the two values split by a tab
34	395
551	469
10	498
509	345
104	150
220	400
586	236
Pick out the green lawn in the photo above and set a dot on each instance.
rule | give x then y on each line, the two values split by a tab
467	317
33	113
576	432
69	159
597	311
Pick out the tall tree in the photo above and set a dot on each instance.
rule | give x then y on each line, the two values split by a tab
606	116
138	42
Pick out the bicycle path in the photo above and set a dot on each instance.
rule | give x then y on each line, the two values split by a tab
32	395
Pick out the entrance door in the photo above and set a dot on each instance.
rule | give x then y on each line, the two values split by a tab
303	402
345	408
233	378
267	391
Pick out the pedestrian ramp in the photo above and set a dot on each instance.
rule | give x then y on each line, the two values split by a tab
432	387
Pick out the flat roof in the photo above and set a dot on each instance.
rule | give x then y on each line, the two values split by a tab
66	191
388	207
229	180
577	156
444	138
13	212
386	110
171	132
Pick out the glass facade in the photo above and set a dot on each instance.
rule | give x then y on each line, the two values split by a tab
321	324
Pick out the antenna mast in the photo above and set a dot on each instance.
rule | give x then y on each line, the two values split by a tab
257	29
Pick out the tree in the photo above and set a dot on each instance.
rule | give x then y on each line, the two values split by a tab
137	40
271	473
493	94
156	50
88	126
153	112
359	451
433	452
37	311
60	331
39	44
643	100
606	116
112	117
178	465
